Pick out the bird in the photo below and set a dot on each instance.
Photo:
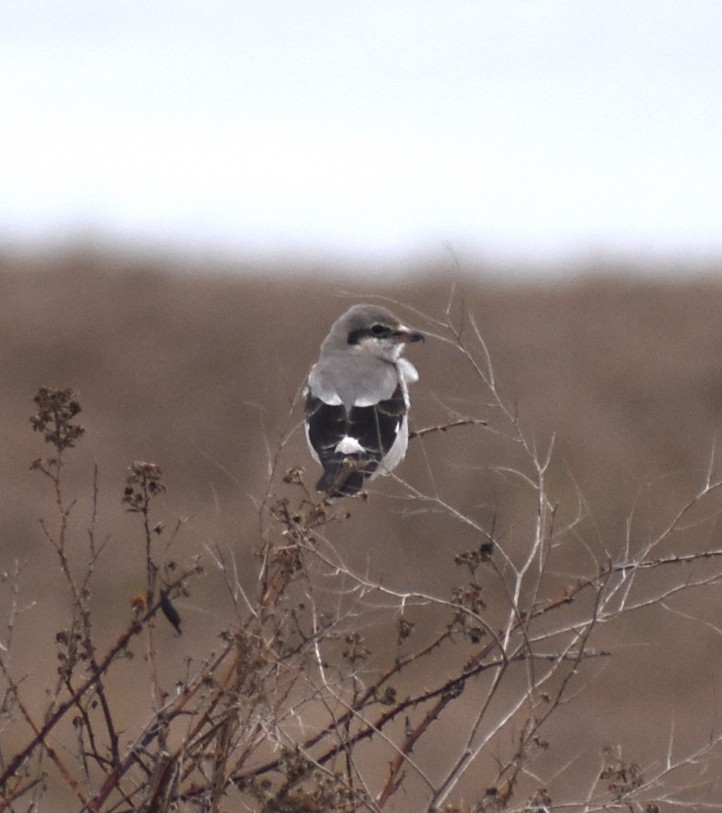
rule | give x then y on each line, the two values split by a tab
357	399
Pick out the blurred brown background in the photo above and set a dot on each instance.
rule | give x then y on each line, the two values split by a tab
199	371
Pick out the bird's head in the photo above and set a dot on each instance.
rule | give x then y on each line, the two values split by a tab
375	330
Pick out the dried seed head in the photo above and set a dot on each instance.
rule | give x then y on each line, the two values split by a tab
139	604
56	410
142	484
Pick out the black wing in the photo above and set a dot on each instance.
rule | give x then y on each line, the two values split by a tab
375	428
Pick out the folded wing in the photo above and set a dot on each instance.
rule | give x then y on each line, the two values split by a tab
351	443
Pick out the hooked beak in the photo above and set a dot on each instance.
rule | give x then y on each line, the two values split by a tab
408	335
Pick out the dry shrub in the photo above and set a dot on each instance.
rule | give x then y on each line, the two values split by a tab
334	690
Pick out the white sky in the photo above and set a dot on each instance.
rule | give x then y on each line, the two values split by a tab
368	130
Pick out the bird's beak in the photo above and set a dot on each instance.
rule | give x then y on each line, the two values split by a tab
408	335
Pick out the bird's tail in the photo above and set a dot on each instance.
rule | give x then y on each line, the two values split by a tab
345	476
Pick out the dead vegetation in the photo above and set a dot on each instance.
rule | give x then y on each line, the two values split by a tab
316	670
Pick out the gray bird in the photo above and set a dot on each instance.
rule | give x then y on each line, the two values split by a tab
357	398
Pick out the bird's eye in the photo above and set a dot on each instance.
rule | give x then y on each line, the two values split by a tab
378	330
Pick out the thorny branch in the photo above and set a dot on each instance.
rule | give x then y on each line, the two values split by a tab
324	659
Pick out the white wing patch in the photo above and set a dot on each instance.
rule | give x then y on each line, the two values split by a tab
349	445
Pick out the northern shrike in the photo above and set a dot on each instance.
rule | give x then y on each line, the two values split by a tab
357	398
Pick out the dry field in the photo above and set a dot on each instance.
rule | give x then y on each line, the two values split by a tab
617	379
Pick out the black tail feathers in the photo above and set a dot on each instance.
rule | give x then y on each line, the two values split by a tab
345	475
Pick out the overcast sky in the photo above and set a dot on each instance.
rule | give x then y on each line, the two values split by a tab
542	130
